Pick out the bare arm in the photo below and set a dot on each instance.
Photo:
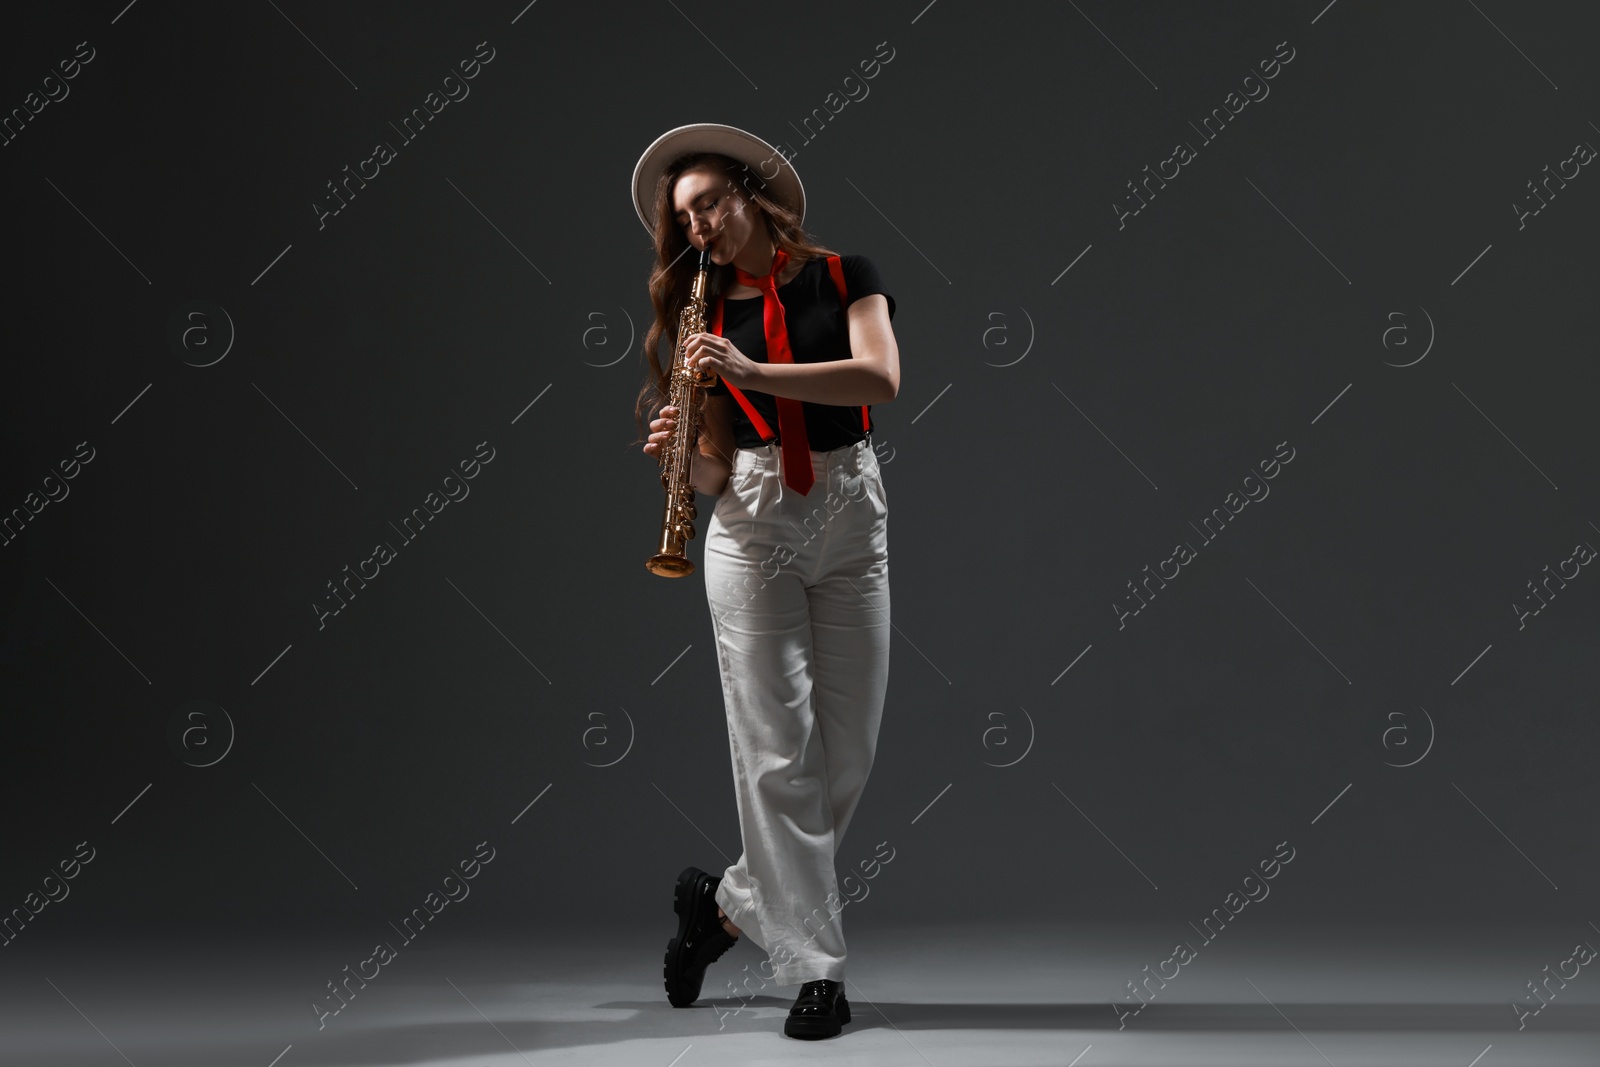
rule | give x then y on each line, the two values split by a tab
870	376
713	461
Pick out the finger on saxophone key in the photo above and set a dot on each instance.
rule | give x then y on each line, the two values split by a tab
661	429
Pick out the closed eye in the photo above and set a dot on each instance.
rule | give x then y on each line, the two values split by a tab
709	207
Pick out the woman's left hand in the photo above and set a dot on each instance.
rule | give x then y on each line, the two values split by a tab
720	356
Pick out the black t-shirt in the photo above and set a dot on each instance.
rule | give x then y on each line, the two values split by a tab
819	330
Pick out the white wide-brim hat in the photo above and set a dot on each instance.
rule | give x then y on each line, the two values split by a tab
768	164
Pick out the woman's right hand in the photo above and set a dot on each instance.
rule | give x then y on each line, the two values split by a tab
661	429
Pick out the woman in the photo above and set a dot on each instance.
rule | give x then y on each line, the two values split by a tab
796	550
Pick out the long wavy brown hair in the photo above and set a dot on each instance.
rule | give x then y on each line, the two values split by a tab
673	274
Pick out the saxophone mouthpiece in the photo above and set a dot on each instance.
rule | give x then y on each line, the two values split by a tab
705	259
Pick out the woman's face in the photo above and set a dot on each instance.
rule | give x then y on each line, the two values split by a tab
710	212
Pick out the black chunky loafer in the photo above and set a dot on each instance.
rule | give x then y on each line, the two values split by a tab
700	941
819	1011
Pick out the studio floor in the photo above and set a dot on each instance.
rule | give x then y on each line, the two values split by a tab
921	997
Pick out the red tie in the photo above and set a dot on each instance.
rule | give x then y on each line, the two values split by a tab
796	450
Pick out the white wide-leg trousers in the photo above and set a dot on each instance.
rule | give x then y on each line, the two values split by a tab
799	593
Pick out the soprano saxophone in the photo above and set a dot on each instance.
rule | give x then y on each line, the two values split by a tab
686	389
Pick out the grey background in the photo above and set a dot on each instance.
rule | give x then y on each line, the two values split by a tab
498	262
